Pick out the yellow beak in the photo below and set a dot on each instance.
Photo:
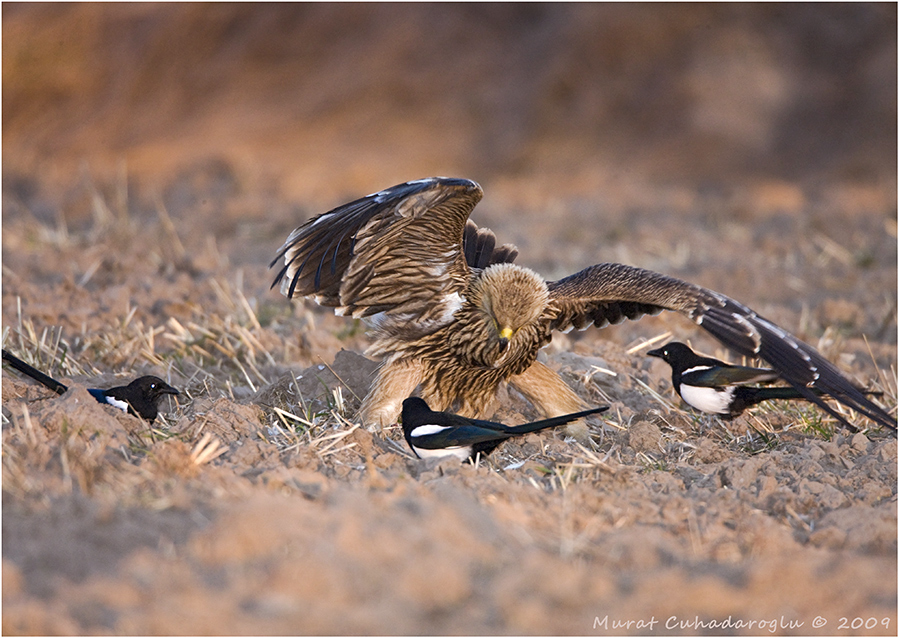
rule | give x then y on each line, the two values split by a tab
505	333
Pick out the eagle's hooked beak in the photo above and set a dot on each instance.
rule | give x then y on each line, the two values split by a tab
504	335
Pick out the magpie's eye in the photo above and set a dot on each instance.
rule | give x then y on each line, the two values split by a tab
152	386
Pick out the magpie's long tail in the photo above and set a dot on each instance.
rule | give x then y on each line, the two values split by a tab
756	395
34	373
554	421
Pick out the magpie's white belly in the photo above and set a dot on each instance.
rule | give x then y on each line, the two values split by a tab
711	400
460	452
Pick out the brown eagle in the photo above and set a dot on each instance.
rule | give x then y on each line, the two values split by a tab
452	315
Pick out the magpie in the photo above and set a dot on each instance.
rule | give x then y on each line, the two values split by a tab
716	387
139	398
442	434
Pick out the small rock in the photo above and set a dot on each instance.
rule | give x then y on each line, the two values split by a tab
860	443
644	436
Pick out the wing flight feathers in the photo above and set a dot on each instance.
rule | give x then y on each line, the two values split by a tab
396	251
480	248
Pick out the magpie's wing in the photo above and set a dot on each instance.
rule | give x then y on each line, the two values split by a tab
478	431
459	436
398	252
609	293
98	394
720	376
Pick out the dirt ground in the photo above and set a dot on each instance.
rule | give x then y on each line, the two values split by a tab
156	156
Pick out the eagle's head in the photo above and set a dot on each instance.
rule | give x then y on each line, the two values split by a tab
510	302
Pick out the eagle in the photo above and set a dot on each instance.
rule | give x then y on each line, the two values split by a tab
453	317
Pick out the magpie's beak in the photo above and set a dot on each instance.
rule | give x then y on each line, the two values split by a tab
168	390
658	352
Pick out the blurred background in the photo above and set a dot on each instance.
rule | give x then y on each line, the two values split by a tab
326	100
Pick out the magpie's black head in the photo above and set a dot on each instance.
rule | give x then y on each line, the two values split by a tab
415	413
675	354
141	395
152	388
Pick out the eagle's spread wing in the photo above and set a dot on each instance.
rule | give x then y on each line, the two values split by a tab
609	293
398	252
